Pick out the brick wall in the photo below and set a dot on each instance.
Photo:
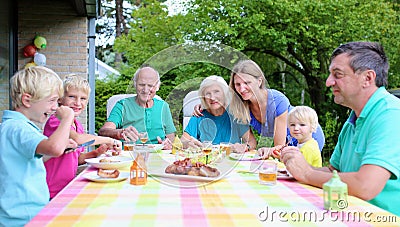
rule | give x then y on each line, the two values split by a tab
65	32
4	57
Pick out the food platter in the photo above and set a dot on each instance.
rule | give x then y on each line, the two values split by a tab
159	171
184	177
116	162
92	176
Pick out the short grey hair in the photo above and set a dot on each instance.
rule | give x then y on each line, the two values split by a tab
366	56
135	76
212	80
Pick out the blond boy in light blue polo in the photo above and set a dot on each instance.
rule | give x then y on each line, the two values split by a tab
23	188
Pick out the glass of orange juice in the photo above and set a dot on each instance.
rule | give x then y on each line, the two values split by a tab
225	148
207	148
267	172
129	145
143	136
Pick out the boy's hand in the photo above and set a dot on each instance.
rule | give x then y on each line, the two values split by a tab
65	113
71	144
116	146
102	149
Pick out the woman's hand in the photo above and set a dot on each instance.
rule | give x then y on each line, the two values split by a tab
167	145
264	152
192	143
197	110
239	148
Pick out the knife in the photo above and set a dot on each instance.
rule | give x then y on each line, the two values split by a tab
81	145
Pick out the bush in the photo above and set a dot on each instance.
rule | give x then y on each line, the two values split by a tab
331	131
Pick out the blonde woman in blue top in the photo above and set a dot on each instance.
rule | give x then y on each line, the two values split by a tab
23	189
366	155
263	108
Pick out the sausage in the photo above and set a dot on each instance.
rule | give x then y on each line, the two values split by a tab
107	174
185	167
207	171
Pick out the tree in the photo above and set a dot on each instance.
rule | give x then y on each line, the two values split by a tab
288	39
301	34
112	24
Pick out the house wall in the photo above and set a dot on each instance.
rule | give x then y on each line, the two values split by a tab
65	32
5	13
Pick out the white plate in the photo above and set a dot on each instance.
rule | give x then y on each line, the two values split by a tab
149	147
118	162
244	156
185	177
279	175
284	177
254	169
96	178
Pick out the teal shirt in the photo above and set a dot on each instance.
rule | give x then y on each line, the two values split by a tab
372	139
216	128
156	120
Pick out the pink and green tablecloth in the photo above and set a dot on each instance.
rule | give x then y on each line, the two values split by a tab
236	200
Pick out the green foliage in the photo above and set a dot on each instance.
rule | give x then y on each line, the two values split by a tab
104	90
331	129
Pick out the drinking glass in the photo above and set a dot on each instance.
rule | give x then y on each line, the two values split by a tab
267	172
225	148
207	148
129	146
143	137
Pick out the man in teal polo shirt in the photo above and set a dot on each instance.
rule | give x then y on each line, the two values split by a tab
141	113
366	155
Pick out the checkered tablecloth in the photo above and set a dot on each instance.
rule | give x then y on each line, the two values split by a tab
236	200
